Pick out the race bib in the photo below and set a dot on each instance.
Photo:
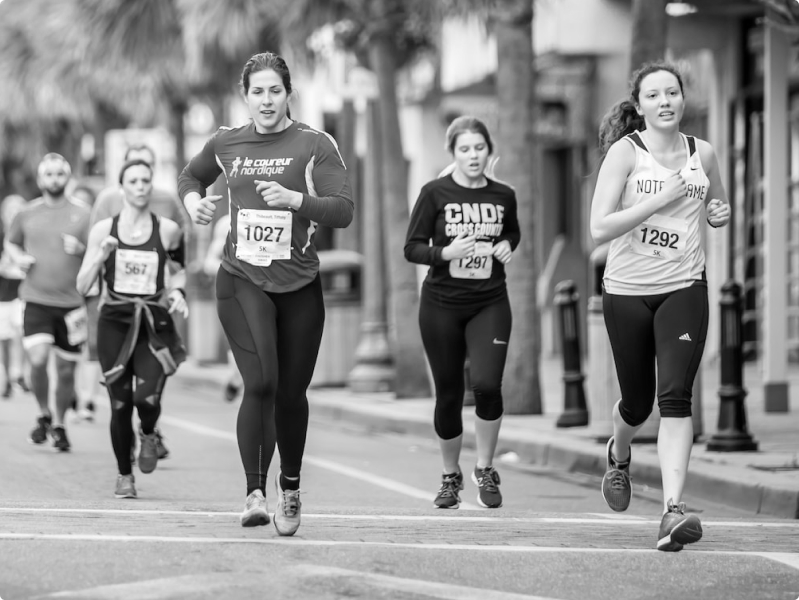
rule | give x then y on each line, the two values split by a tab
474	267
263	236
661	237
77	328
136	272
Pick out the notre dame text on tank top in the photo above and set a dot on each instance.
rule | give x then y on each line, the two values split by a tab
273	247
664	253
445	209
136	269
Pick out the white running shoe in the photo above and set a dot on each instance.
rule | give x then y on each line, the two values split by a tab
255	512
288	511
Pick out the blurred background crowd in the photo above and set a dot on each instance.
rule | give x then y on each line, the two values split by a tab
90	78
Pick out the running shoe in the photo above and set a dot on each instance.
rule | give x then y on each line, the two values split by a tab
678	529
60	440
487	481
255	512
125	486
87	412
22	385
288	511
448	496
8	390
39	433
163	451
617	488
231	391
148	452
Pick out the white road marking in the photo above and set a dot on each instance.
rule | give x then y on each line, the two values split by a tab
376	480
312	575
500	519
786	558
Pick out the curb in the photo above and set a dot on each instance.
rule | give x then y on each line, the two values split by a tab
710	481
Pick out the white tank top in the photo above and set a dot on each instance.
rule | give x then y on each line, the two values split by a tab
664	253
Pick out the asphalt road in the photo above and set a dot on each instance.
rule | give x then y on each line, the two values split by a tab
369	529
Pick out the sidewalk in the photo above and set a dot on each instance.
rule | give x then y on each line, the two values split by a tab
765	481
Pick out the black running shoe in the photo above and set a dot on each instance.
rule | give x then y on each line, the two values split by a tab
487	481
163	451
7	391
231	391
448	496
39	433
60	441
678	529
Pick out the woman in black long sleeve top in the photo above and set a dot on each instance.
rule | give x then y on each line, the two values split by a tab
472	223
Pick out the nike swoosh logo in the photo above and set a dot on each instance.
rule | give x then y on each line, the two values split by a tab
496	341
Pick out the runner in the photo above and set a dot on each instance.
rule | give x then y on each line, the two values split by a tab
109	204
283	178
11	277
654	187
47	240
464	309
137	343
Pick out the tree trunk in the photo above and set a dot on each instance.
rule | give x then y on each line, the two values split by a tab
516	146
411	371
649	32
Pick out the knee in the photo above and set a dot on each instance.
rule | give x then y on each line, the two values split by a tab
488	402
447	420
674	407
634	415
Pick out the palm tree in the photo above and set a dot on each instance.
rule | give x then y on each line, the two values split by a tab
512	23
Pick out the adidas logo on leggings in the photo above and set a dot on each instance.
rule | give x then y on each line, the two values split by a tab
685	337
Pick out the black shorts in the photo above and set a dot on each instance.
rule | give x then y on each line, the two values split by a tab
63	327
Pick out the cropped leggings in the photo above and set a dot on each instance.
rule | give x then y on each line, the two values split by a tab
140	386
448	335
657	342
275	340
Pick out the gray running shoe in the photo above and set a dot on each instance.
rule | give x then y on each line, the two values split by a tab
255	512
42	429
487	481
288	511
125	487
617	488
148	452
60	440
678	529
448	496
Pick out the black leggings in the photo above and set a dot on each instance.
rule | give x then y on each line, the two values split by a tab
145	394
447	334
275	340
663	331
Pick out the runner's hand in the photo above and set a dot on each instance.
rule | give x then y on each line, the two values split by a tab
201	210
674	188
108	245
718	213
461	247
72	245
276	196
177	303
503	252
25	262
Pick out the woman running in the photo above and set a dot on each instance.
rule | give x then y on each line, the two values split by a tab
283	179
137	343
653	190
464	309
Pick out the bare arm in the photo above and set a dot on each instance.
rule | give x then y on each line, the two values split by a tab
98	249
718	207
608	221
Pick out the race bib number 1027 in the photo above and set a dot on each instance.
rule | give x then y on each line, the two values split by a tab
263	236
